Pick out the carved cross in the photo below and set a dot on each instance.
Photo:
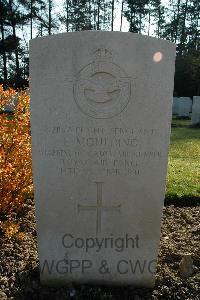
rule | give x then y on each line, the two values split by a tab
99	207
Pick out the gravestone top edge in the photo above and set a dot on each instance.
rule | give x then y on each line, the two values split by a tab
100	32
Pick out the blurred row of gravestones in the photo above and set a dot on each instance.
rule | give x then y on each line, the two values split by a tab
185	107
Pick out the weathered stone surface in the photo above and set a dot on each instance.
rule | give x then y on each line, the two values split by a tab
196	110
100	123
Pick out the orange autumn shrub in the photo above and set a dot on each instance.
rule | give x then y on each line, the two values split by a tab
15	150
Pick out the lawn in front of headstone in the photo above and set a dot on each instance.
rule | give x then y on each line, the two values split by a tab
179	122
183	163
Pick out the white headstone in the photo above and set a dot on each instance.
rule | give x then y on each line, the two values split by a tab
100	117
196	110
184	106
175	105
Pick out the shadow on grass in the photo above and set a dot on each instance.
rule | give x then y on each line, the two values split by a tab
183	201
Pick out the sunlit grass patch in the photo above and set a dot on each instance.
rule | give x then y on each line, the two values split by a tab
184	163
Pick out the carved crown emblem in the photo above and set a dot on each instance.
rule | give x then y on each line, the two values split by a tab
103	54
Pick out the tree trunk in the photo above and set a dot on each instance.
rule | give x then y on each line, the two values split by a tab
50	20
197	44
67	3
16	55
31	19
131	19
89	15
122	12
149	21
104	13
15	37
5	72
177	20
112	20
182	38
41	30
159	17
98	14
94	15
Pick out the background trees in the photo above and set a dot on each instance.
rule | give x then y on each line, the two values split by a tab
175	20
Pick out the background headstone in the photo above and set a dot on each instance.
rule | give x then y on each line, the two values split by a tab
10	107
175	105
196	110
100	123
184	106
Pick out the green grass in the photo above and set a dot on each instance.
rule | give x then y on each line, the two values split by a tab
180	122
183	180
